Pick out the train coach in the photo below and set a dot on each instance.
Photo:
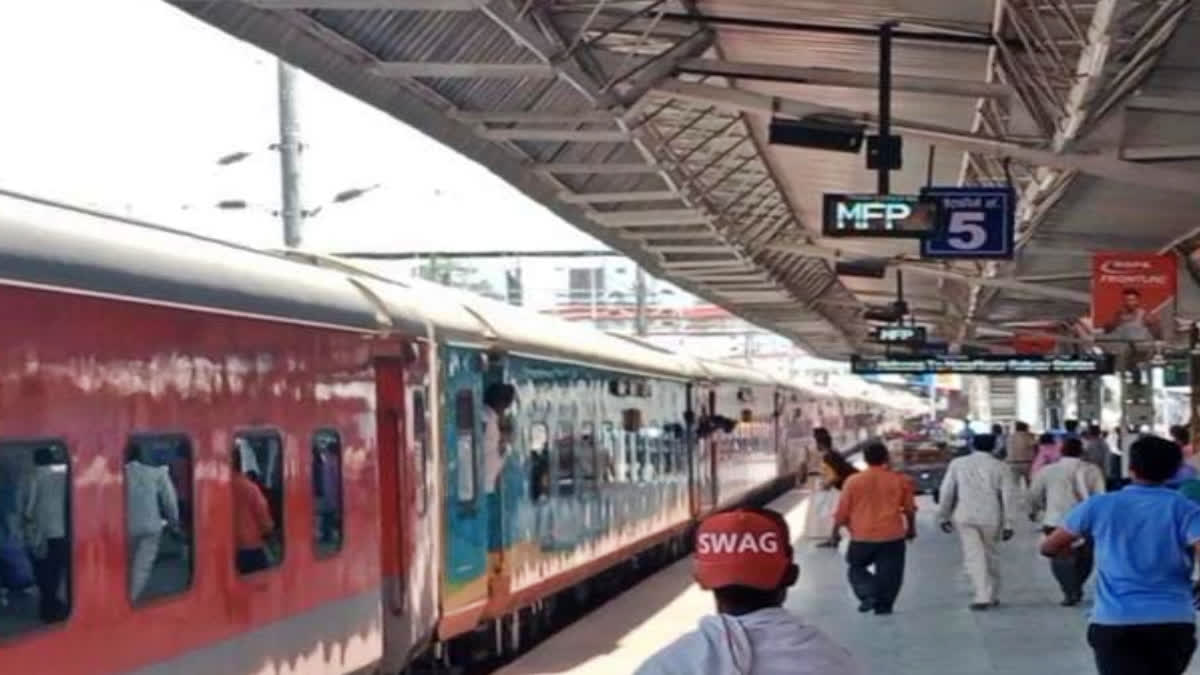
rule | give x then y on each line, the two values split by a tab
344	473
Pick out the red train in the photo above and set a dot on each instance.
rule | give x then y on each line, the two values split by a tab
218	460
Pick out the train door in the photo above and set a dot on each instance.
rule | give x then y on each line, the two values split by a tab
407	536
706	455
464	530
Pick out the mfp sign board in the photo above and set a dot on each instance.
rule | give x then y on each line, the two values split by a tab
899	334
992	364
902	216
973	222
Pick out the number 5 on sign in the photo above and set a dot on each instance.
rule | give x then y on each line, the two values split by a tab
974	223
966	231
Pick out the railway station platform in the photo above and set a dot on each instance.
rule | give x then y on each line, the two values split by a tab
931	633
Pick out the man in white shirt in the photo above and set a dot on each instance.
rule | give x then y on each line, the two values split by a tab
149	496
977	498
744	557
1056	490
46	536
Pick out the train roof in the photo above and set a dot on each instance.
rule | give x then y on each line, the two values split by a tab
44	244
47	244
466	316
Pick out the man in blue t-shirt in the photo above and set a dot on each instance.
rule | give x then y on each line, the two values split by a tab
1145	536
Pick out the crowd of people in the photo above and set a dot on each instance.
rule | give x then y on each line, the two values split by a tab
1140	534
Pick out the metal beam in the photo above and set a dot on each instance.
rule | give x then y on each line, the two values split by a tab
594	169
1066	276
366	5
933	271
502	71
1161	153
1188	105
1117	170
531	117
651	218
618	197
556	135
837	77
525	34
675	249
728	263
833	28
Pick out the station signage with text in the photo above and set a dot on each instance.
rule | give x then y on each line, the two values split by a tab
901	216
992	364
899	334
973	222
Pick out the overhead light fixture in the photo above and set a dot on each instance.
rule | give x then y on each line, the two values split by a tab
819	133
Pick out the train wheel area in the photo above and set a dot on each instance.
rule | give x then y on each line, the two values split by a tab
931	632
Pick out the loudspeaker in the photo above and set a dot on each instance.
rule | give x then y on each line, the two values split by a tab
840	137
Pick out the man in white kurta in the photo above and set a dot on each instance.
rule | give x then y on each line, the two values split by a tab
977	499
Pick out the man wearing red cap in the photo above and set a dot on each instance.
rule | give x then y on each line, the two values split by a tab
744	557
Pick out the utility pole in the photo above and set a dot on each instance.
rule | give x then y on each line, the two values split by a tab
639	295
289	157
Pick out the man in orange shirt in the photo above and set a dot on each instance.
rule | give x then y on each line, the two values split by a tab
252	521
878	508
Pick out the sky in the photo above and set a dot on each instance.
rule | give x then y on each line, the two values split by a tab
128	104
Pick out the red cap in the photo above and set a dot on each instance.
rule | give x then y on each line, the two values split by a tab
742	548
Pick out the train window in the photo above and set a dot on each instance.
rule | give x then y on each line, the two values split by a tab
667	451
35	535
607	457
564	449
464	416
588	458
420	431
539	461
158	515
328	504
258	500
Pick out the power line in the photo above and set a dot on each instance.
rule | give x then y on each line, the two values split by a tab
419	255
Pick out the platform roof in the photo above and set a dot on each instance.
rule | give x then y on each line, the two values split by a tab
644	124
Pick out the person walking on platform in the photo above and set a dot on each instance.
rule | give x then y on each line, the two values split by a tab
1055	491
744	557
977	498
1146	537
835	469
1095	448
1070	429
1048	452
1021	447
878	508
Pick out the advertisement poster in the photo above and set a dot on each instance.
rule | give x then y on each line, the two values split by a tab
1133	296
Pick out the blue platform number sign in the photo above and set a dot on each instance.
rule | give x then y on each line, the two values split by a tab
974	222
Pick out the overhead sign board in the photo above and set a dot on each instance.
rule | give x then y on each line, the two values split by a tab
903	216
973	222
899	334
992	364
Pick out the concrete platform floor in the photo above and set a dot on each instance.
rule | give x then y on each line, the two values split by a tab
931	633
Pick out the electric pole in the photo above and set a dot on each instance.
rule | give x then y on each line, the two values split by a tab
639	293
292	210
